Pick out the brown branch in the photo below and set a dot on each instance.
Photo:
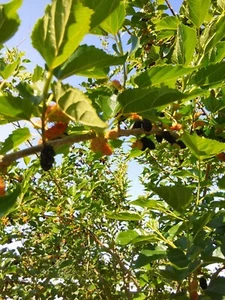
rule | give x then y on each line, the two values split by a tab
7	159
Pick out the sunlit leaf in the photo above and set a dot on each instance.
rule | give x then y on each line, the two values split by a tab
125	237
88	61
56	41
124	216
161	74
7	202
100	6
16	138
178	197
77	106
198	10
185	44
167	23
201	147
9	69
9	20
14	109
142	101
115	20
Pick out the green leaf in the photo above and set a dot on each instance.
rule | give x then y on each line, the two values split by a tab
216	288
14	109
161	74
178	197
88	61
9	20
77	106
56	41
177	257
126	237
221	183
135	43
16	138
210	76
201	147
198	10
185	44
214	34
9	69
167	23
142	101
7	202
153	204
221	3
124	216
115	20
102	9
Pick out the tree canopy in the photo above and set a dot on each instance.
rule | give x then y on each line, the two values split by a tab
154	93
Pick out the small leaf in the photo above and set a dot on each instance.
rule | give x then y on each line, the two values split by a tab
142	101
135	42
167	23
100	6
124	216
115	20
198	10
9	20
16	138
56	41
77	106
201	147
82	63
177	257
9	69
178	197
185	44
7	202
125	237
221	183
14	109
161	74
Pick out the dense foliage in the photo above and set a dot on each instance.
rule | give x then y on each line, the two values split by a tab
155	94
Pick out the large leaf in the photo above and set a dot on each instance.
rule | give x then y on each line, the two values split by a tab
16	138
185	44
77	106
161	74
7	202
115	20
88	61
60	31
142	101
178	197
210	76
177	257
201	147
9	20
198	10
102	9
14	109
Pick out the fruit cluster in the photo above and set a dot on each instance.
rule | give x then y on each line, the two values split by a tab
47	157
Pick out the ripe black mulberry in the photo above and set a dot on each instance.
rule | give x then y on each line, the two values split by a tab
47	157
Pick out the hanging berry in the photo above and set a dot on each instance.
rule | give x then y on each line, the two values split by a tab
47	157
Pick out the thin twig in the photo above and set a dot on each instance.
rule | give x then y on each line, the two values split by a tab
170	8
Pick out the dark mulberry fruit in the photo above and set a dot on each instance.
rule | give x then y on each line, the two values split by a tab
138	124
181	144
147	143
159	138
147	125
168	137
47	157
203	283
